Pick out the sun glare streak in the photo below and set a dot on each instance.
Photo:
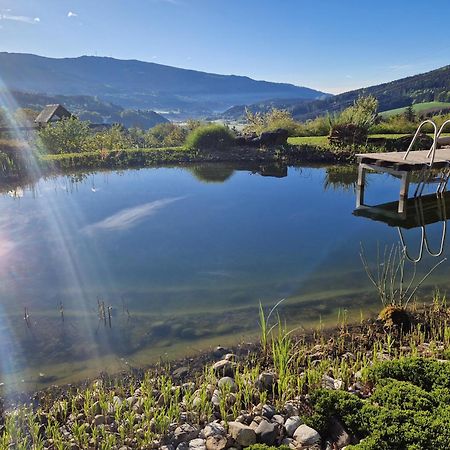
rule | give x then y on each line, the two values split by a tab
61	217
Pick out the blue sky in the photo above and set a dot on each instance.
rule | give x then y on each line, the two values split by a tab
331	45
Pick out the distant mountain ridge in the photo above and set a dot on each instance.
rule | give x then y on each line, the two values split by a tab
425	87
140	85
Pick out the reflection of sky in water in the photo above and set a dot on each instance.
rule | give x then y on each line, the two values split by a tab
169	246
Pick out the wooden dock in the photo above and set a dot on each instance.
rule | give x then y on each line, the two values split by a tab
415	160
400	164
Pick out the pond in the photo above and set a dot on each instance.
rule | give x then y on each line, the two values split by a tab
113	270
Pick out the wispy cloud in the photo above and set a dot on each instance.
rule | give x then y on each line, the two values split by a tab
130	217
23	19
72	14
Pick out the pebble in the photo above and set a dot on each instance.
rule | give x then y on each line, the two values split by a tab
268	411
266	432
99	419
213	429
216	442
305	435
224	368
242	434
197	444
185	433
266	380
291	425
227	383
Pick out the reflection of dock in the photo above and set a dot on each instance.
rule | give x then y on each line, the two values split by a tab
419	211
433	165
416	213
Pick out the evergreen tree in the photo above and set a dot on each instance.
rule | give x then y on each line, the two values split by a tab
409	114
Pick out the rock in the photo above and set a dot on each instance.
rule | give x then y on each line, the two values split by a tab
266	432
242	434
305	435
224	368
227	383
277	418
185	433
268	411
213	429
338	433
197	444
181	372
291	410
131	400
276	137
215	399
167	447
183	446
291	425
219	351
330	383
216	442
99	419
266	380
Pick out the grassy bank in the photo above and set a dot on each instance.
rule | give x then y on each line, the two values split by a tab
367	385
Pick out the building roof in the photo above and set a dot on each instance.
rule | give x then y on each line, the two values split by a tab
51	112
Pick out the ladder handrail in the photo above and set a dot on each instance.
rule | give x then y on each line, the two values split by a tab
432	150
438	135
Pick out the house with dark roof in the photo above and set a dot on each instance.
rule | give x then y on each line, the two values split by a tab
52	113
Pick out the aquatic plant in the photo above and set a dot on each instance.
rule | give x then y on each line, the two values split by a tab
394	287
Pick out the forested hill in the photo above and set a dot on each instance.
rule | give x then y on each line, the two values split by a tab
426	87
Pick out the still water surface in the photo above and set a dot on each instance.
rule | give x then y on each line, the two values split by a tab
111	270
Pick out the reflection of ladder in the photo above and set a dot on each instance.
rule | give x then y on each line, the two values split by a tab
402	164
420	212
442	212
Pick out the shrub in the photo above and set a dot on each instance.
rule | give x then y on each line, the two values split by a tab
114	138
69	135
397	124
165	135
320	126
209	137
352	125
409	408
426	373
273	120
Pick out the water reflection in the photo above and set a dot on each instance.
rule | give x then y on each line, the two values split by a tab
419	213
152	263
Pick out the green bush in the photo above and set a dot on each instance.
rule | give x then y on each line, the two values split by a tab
320	126
114	138
210	137
274	119
409	408
166	135
426	373
69	135
397	124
